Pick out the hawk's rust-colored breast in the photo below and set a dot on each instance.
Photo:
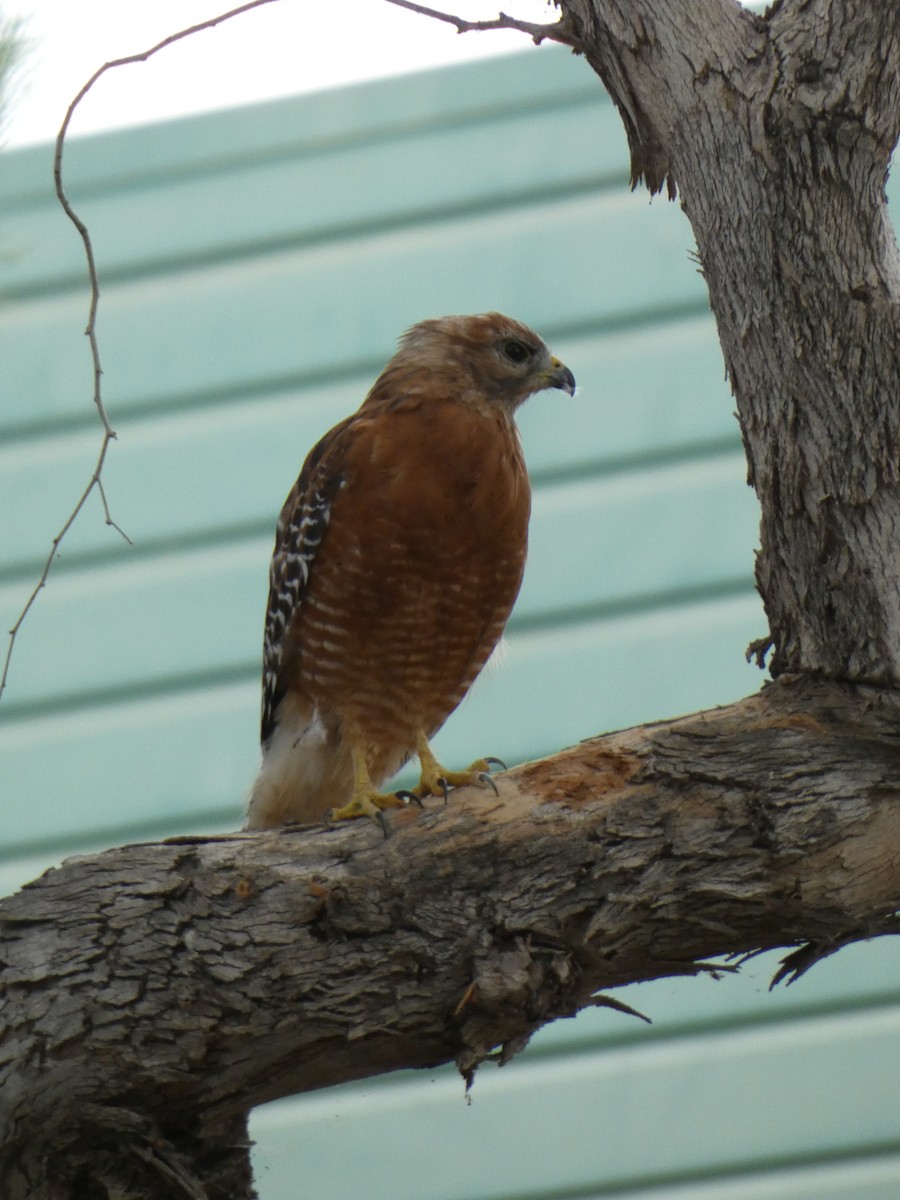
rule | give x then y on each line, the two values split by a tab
418	570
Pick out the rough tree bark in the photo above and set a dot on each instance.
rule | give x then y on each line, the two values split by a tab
777	132
154	994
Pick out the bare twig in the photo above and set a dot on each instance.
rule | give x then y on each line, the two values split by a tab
91	329
556	32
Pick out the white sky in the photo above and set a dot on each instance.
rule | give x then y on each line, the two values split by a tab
282	48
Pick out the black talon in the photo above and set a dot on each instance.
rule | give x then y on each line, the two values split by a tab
485	778
406	794
500	763
445	787
383	822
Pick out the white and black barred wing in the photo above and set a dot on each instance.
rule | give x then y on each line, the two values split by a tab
298	538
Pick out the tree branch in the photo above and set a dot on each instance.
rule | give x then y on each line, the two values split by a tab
559	31
190	980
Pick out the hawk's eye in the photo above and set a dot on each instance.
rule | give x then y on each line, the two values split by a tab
516	351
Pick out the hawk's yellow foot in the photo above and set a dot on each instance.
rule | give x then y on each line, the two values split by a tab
436	780
366	800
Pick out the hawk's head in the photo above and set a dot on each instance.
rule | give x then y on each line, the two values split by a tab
487	360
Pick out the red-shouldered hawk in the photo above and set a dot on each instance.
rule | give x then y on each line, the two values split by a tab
398	557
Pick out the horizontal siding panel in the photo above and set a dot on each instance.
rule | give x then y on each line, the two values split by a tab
297	313
209	467
118	770
645	391
40	480
612	539
348	115
556	687
821	1087
872	1178
141	619
179	756
221	142
597	541
330	189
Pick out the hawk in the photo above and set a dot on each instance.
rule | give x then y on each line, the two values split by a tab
398	556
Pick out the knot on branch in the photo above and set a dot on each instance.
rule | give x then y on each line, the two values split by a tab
517	986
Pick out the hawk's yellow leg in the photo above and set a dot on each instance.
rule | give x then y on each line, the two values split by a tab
437	781
366	800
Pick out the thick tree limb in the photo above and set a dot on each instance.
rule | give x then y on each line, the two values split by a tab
160	991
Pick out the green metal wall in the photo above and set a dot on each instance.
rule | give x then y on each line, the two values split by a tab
256	268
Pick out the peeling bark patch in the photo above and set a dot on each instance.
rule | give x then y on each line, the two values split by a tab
245	889
576	777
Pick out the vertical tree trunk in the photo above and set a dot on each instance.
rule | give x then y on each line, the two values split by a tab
777	131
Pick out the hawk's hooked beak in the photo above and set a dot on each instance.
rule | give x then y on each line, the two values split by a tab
559	376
